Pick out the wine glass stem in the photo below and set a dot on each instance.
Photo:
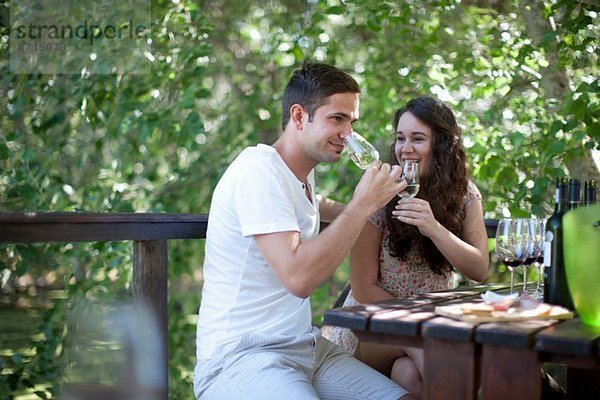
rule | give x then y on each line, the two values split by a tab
524	279
512	281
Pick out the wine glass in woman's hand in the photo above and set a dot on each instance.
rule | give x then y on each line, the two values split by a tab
360	150
410	173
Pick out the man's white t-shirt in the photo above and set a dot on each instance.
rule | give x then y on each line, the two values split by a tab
257	194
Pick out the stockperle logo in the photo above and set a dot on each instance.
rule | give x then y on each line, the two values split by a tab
80	37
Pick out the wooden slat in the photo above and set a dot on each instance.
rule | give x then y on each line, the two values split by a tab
353	317
401	322
448	329
33	217
89	227
570	337
390	339
511	334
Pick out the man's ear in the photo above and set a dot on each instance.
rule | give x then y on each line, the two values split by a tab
297	113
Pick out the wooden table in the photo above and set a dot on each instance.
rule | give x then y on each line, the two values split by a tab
504	359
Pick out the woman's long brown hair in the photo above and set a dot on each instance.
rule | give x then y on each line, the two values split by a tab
444	189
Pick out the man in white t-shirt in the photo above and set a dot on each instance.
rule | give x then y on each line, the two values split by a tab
264	256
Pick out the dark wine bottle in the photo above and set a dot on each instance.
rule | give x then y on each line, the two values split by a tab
589	193
574	193
556	290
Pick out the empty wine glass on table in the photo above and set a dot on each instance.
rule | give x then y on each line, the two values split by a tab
360	150
410	172
512	236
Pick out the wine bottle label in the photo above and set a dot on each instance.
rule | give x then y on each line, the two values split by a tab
548	249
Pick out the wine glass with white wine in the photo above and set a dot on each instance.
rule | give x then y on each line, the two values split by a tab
410	172
360	150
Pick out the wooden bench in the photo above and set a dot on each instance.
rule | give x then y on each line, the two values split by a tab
149	232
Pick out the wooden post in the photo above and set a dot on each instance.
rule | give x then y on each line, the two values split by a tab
150	261
450	370
510	373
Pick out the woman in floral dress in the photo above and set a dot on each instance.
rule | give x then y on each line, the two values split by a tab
413	245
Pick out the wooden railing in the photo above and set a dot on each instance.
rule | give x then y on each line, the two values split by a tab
149	233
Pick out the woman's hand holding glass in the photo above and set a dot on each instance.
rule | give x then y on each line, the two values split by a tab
410	173
417	212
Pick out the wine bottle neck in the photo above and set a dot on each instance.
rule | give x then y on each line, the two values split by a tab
589	193
574	193
560	200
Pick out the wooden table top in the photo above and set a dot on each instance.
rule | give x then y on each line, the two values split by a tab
414	316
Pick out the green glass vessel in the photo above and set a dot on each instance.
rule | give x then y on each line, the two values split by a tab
581	249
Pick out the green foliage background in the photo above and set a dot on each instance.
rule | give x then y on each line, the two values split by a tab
522	76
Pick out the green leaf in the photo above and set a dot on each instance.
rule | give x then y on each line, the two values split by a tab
17	358
188	99
517	139
193	117
4	153
28	154
41	395
508	177
571	123
555	127
557	147
28	192
21	268
335	10
203	94
593	130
